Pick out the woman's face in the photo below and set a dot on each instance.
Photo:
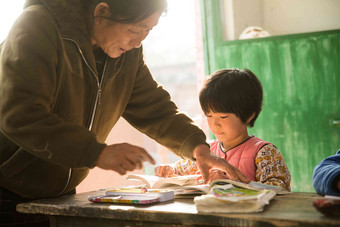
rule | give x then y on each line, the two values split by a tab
117	38
228	128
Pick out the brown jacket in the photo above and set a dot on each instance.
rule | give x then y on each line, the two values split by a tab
55	114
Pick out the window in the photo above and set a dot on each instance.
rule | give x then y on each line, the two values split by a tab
9	11
278	17
173	52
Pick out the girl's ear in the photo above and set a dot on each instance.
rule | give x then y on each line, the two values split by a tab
102	10
250	118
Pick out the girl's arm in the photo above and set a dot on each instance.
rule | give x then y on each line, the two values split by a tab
180	168
271	168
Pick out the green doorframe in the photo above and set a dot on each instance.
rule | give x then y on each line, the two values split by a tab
211	31
301	79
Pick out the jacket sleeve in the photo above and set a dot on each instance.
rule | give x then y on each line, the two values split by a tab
325	173
151	111
28	86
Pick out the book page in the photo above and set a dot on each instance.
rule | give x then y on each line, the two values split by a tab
192	189
334	197
164	182
235	194
171	182
252	185
148	180
232	199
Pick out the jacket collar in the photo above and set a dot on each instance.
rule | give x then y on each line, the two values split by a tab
71	20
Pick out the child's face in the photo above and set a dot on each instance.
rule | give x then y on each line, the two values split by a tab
228	128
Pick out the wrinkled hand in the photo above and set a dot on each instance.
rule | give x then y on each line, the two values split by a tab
206	161
164	171
123	157
216	174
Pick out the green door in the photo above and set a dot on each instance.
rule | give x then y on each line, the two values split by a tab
300	75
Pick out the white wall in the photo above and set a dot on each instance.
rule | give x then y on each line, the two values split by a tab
298	16
101	179
123	132
279	17
247	16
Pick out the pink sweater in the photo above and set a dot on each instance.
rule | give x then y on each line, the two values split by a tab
242	156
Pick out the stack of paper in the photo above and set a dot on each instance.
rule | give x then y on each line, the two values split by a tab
232	199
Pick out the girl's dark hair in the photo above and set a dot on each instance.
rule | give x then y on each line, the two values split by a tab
233	91
129	11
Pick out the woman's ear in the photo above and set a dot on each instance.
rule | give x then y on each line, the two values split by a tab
102	10
250	118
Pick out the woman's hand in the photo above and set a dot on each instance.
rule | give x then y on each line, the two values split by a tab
123	157
206	161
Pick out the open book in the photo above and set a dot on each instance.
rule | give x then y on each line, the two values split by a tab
189	185
181	185
164	182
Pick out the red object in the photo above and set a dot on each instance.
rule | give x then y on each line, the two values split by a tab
328	207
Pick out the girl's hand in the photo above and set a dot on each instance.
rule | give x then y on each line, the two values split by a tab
164	171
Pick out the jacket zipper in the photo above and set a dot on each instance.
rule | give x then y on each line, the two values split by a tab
99	92
97	101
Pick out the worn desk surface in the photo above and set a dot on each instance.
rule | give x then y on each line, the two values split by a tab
294	209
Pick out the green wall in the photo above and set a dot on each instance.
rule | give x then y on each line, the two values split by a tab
300	75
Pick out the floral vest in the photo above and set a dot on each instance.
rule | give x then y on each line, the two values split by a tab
242	156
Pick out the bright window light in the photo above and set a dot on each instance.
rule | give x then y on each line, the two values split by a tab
9	12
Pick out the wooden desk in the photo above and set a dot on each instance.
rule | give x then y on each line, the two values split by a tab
295	209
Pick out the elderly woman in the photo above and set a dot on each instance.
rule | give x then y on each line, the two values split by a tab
68	71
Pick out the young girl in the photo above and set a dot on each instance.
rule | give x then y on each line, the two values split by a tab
231	99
